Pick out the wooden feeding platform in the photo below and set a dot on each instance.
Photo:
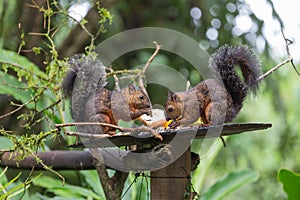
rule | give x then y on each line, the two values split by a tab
127	138
170	182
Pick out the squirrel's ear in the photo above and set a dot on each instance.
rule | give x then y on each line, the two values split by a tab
170	93
131	88
172	96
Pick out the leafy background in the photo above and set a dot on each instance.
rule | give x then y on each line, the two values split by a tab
248	168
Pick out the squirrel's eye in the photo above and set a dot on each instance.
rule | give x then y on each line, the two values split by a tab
141	97
170	109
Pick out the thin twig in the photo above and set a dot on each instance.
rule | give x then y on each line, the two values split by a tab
158	47
134	180
142	73
34	121
273	69
92	135
92	124
122	129
125	71
26	182
290	59
48	107
17	109
39	161
287	43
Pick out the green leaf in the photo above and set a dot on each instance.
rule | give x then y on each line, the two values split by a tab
6	144
11	181
3	178
19	188
47	182
12	58
82	191
230	183
14	186
291	183
92	179
55	186
10	84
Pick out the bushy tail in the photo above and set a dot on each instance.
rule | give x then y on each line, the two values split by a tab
85	75
224	61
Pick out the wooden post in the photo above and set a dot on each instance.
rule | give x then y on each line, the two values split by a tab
171	181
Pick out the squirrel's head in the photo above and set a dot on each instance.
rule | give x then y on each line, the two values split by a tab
138	99
173	107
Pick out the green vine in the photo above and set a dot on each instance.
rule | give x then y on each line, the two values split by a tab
36	90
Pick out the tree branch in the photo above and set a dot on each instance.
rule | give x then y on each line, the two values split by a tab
290	59
142	73
59	160
113	186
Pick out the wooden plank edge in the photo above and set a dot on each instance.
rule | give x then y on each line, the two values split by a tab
168	135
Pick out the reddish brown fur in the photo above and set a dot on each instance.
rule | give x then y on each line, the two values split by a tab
204	101
108	106
212	101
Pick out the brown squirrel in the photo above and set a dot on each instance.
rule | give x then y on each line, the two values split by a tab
216	100
91	102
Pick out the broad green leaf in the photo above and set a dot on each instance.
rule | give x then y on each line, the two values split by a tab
81	191
66	192
291	183
13	85
6	144
12	58
10	84
92	179
229	183
55	186
47	182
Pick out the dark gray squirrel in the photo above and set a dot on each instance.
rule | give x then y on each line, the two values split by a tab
85	84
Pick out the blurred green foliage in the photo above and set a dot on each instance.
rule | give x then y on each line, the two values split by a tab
250	158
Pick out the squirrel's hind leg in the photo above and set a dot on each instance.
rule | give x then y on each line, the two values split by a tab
215	113
101	118
105	118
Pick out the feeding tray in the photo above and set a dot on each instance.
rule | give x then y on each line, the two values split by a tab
144	138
